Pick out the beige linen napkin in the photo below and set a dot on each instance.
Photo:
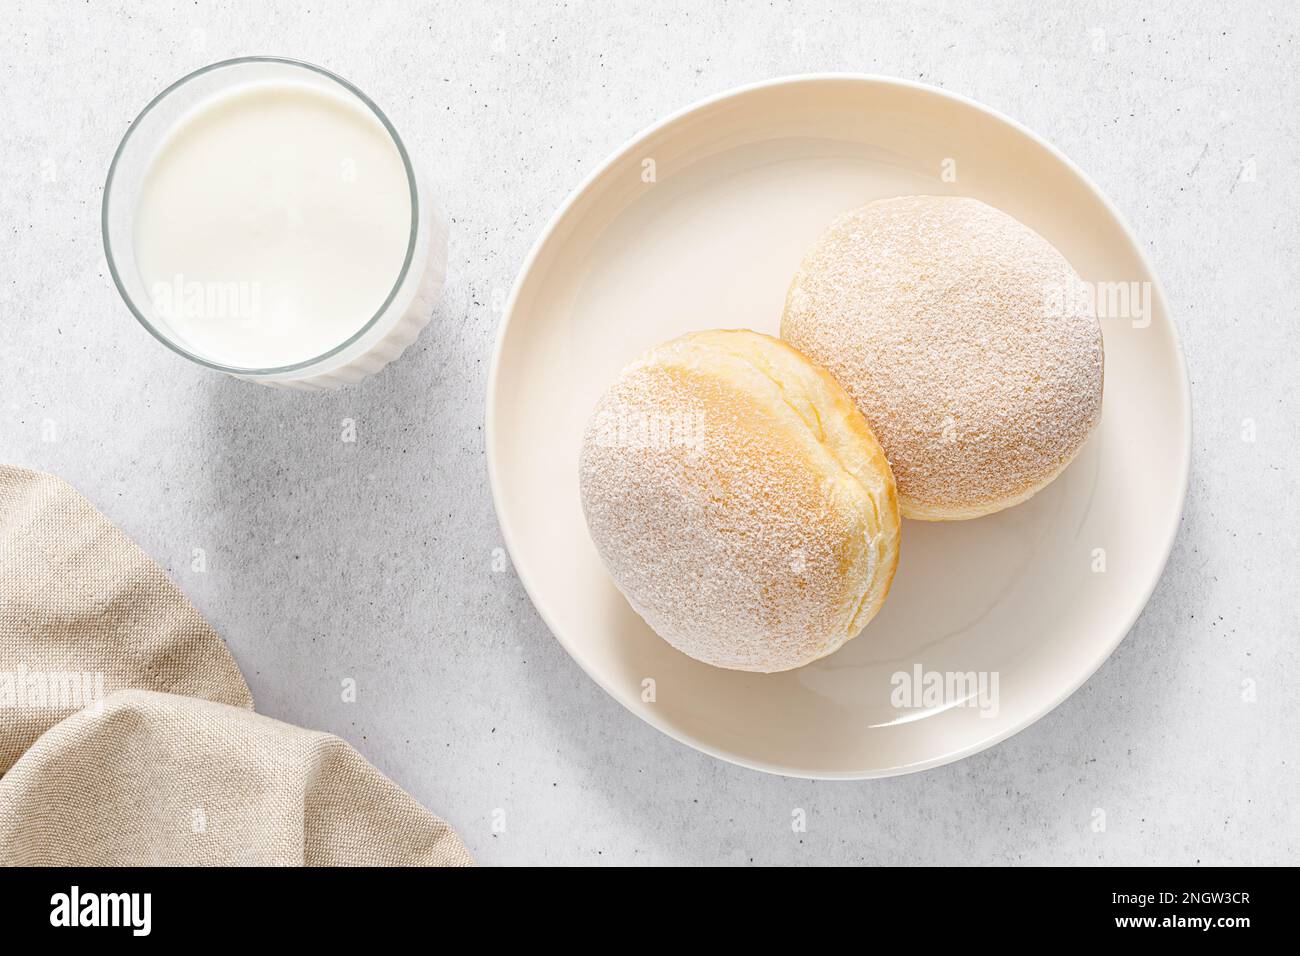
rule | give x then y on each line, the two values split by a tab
126	730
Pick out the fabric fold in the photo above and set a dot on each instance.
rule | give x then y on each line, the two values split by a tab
127	735
84	612
156	779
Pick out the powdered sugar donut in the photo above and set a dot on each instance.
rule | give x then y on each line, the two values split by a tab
740	501
953	327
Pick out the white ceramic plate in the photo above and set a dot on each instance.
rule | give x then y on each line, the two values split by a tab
743	183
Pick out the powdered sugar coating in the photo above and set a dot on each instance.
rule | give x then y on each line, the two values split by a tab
952	326
743	536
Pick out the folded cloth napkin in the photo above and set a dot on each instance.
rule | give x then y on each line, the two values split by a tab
127	734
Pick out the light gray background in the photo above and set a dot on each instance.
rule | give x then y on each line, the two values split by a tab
374	560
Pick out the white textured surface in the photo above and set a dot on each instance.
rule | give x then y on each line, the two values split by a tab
374	560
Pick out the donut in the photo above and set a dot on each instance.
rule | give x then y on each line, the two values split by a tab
962	337
740	501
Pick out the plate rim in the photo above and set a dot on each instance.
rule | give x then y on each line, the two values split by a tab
493	385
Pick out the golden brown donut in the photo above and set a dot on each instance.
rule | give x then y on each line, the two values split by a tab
740	501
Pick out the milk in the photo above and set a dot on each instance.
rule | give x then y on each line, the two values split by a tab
272	224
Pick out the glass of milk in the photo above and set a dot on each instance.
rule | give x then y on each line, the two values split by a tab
262	217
